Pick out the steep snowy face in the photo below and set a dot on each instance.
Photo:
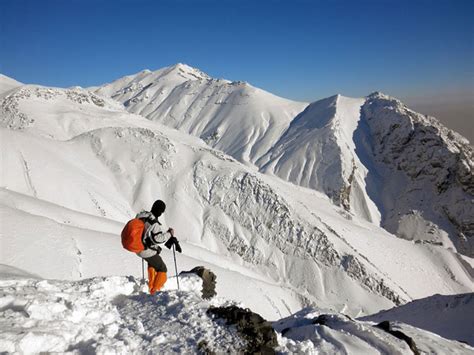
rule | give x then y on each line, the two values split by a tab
423	174
234	117
308	153
317	151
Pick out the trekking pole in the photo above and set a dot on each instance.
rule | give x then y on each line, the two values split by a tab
175	266
143	271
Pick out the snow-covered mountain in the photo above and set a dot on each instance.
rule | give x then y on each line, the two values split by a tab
234	117
76	166
373	156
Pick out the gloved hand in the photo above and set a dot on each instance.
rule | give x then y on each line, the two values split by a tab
173	241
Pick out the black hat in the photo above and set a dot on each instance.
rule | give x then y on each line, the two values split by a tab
158	208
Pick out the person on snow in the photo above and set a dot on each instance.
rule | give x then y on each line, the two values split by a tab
153	235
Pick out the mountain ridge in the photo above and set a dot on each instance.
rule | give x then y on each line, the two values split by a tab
337	159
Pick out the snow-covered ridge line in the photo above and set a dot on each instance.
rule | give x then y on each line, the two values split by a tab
212	109
445	315
12	117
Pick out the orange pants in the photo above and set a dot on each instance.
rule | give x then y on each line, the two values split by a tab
156	280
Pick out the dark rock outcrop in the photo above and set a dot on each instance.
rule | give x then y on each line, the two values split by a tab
436	163
259	334
385	325
208	280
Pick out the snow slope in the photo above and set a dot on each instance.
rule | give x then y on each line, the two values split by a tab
106	164
317	151
7	84
447	316
373	156
114	315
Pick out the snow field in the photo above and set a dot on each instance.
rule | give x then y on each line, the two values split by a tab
106	315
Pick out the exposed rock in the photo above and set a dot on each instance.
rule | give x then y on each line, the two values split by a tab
259	334
13	118
436	163
204	349
208	280
385	325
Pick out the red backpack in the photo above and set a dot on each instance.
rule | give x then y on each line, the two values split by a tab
132	235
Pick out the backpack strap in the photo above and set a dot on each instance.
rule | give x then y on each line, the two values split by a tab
150	220
150	243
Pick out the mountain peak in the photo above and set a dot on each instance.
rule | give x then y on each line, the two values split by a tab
187	71
378	95
182	66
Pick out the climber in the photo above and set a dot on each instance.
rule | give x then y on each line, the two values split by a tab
151	234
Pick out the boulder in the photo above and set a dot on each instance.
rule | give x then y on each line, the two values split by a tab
259	333
385	325
208	280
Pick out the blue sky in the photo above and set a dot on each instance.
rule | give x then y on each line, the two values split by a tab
303	50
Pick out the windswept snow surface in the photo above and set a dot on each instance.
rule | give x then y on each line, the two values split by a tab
114	315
